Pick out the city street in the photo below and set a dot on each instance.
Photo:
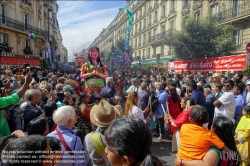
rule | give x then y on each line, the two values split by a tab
163	150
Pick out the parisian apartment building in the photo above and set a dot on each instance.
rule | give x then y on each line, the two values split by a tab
154	20
19	19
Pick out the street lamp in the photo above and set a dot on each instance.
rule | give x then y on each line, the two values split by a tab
139	60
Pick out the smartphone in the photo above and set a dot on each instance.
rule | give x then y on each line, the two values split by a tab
27	70
59	94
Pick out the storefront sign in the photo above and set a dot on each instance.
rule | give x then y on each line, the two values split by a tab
236	62
7	54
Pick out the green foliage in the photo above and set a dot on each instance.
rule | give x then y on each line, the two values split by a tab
246	71
44	64
200	38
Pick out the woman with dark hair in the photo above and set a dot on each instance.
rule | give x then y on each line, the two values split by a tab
124	145
55	145
174	102
84	113
38	126
223	127
175	124
94	70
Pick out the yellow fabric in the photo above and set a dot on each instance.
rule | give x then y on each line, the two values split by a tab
243	130
88	68
98	144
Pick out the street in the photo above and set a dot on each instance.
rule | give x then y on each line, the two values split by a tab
163	150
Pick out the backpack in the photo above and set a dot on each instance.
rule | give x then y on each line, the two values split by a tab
99	146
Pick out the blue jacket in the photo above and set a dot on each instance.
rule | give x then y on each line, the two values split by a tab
162	96
74	144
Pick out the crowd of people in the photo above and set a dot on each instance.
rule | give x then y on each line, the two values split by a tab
52	117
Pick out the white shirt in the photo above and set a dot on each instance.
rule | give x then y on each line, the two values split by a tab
133	88
178	90
227	107
248	96
137	112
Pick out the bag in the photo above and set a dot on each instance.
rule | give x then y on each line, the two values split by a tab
99	146
154	103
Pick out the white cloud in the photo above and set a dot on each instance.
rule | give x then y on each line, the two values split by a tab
80	24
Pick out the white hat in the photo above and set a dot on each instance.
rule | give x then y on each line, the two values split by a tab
216	75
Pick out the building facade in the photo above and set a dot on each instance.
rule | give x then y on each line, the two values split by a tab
154	20
18	19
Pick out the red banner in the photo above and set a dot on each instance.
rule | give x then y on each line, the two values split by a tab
235	62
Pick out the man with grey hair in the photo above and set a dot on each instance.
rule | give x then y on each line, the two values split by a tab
71	81
30	111
65	117
108	92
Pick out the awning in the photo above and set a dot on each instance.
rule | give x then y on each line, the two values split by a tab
154	61
16	61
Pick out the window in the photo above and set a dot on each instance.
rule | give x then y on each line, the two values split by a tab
214	9
197	15
144	22
172	5
140	26
4	38
26	21
135	42
27	43
236	34
148	52
143	52
163	10
144	38
155	19
139	41
139	53
149	20
3	13
144	9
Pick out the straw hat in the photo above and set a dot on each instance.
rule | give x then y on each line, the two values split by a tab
103	114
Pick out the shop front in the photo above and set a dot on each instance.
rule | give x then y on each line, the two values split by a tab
11	59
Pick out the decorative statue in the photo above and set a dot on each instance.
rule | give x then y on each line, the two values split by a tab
94	70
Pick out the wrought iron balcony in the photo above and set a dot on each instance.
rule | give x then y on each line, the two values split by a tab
233	13
9	22
172	11
27	2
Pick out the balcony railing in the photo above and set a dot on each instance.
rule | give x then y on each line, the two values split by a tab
160	36
172	11
7	21
233	13
163	16
186	5
26	2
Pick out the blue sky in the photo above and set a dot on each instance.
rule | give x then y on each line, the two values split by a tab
81	22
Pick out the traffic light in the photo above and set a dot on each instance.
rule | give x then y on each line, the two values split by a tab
112	50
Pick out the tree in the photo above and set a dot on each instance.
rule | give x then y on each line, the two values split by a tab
202	38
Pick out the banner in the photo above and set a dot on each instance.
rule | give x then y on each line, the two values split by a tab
235	62
49	54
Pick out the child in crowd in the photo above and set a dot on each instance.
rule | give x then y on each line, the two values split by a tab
196	140
242	136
